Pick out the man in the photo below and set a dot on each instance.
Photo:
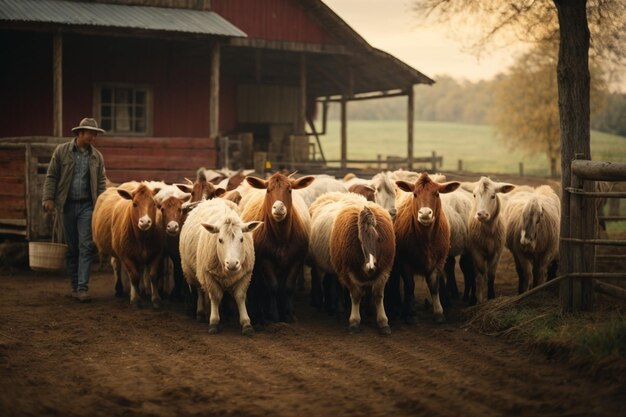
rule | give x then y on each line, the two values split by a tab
75	178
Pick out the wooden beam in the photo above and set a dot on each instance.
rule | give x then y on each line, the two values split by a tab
57	85
214	100
409	118
290	46
303	97
599	171
344	134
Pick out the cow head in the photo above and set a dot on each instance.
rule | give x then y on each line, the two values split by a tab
172	213
230	241
278	202
486	201
385	191
143	211
426	201
201	189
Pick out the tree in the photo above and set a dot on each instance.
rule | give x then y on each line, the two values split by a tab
534	20
526	112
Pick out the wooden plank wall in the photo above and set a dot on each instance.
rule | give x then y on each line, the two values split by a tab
166	159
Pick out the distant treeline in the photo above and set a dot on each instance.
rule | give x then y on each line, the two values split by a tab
450	100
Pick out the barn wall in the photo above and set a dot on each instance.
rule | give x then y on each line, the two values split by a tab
25	83
280	20
179	74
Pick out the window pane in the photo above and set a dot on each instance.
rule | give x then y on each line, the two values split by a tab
122	118
106	111
140	125
122	95
139	112
140	97
106	124
105	95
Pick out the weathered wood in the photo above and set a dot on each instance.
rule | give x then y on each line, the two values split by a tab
214	99
57	85
344	134
599	170
300	128
608	289
410	116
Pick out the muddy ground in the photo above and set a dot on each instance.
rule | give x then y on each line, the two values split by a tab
62	358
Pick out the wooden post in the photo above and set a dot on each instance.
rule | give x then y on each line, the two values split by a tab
344	134
302	101
379	158
460	166
521	169
433	161
214	99
409	120
57	85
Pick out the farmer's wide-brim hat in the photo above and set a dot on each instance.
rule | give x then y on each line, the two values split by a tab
88	124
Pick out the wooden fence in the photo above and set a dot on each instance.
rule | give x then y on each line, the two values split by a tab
579	243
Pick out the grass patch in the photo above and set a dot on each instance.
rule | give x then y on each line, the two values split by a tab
594	340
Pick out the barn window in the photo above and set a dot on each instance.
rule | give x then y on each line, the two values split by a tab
124	109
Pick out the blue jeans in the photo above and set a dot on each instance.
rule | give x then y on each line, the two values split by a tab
80	247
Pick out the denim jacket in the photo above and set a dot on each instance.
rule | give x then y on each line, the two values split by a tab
61	169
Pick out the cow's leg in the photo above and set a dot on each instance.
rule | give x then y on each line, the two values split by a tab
392	293
135	277
191	301
378	293
201	305
117	273
540	271
356	293
215	293
433	285
317	297
271	282
155	271
332	291
239	294
480	266
522	279
408	307
289	291
451	287
469	280
491	276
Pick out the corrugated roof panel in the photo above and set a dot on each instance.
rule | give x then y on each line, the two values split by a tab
114	15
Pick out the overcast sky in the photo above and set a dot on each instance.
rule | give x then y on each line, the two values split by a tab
390	25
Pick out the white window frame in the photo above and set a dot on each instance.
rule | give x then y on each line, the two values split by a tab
148	109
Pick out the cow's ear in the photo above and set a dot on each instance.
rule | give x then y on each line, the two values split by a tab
405	186
448	187
124	194
250	226
184	198
211	227
155	191
219	191
302	182
185	188
504	188
257	182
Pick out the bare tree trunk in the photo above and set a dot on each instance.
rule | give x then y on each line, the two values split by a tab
573	85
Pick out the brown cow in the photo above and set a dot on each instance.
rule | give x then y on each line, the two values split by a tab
362	248
135	238
280	244
423	240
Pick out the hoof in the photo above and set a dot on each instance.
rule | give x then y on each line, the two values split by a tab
247	330
384	330
439	318
214	328
354	329
200	318
156	305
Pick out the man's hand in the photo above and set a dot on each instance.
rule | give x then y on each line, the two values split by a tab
48	205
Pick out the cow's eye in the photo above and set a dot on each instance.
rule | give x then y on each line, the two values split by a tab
241	240
493	196
134	204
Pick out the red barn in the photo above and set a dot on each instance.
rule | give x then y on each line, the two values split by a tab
177	84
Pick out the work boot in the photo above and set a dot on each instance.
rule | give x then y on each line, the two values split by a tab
74	294
83	296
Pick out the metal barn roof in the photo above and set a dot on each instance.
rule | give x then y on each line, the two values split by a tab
117	16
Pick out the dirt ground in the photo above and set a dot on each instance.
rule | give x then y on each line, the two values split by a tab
59	357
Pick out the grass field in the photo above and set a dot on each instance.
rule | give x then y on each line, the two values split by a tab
476	145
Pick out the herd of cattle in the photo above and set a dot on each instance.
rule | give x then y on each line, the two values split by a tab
252	237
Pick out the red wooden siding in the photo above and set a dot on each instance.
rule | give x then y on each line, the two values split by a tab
179	74
13	189
281	20
25	84
167	159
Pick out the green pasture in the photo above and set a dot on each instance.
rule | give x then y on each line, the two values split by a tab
477	146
